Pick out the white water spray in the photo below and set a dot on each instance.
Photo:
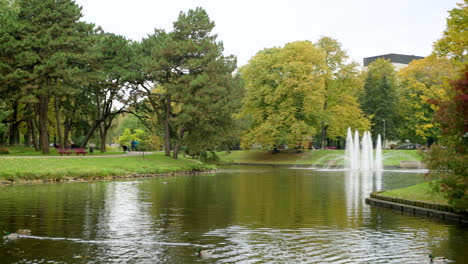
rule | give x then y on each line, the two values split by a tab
360	155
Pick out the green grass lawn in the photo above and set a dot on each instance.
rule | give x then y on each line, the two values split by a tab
419	192
58	168
28	151
391	157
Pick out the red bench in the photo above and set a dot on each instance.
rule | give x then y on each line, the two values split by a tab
79	151
64	151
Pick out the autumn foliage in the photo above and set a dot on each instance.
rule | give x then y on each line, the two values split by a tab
448	160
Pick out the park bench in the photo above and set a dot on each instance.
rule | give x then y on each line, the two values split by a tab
79	151
62	151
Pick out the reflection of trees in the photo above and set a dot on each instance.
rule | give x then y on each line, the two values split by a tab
256	210
51	210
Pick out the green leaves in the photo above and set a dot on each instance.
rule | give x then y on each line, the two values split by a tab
380	98
423	83
194	81
291	92
454	43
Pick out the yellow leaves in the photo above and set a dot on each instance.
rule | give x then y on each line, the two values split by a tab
427	126
423	81
291	91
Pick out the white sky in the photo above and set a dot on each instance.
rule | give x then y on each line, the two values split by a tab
365	27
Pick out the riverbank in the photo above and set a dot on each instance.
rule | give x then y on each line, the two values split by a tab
392	158
29	170
418	200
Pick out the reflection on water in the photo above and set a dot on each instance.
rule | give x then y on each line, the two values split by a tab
243	214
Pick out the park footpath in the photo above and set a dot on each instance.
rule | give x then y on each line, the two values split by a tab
126	154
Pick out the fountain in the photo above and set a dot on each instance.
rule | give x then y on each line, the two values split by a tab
360	155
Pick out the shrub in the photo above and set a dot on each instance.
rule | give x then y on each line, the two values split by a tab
4	150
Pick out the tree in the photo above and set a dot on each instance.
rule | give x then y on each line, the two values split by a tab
3	114
422	82
284	94
9	80
343	82
110	74
300	90
189	82
156	58
447	160
380	99
454	43
53	41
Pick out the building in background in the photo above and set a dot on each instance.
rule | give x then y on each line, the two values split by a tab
398	60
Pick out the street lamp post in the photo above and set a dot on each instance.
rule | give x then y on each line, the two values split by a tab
384	133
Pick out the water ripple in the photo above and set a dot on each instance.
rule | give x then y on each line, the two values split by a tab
247	245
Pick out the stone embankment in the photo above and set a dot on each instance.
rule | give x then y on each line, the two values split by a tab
442	211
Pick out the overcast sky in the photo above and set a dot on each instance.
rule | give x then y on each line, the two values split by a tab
365	27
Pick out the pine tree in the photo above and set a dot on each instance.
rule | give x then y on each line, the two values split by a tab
380	99
53	41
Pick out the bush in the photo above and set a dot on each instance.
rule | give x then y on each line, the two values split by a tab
209	157
4	150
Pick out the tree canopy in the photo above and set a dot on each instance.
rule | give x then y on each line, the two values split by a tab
447	160
293	92
380	99
421	84
454	42
193	96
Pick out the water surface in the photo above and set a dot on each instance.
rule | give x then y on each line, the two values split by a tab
242	214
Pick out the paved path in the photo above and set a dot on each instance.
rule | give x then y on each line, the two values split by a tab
127	154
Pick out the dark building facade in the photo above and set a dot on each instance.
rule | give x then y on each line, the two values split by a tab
397	59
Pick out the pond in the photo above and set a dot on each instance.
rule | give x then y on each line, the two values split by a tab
242	214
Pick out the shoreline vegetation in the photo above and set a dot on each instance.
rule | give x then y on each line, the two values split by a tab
46	169
316	157
39	170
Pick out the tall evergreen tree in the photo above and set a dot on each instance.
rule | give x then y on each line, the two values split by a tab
9	81
53	41
380	99
194	81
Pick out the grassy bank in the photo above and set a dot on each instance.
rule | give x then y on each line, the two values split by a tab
23	169
319	157
420	192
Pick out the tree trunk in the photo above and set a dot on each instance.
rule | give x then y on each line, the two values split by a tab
324	136
14	126
66	137
175	153
90	133
43	133
2	138
33	133
67	125
167	129
14	133
103	134
57	122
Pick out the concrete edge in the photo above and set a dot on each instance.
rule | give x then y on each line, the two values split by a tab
415	210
